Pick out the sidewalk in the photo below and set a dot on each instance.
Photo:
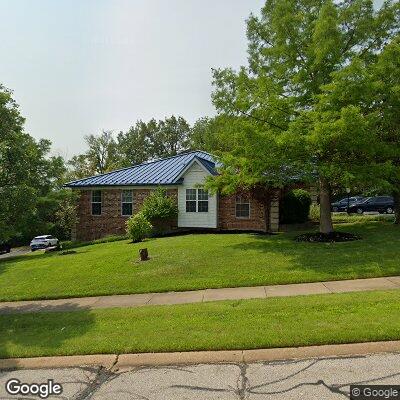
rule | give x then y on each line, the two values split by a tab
199	296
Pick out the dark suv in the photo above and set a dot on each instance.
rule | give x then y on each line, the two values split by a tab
4	247
341	205
382	204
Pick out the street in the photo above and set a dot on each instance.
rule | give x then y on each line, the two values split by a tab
287	380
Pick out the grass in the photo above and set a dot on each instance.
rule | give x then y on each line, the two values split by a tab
67	245
201	261
245	324
344	218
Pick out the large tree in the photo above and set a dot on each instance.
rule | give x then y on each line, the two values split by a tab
101	156
295	46
213	135
27	172
172	137
136	145
374	89
102	153
146	141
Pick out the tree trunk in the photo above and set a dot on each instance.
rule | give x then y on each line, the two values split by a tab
325	218
396	196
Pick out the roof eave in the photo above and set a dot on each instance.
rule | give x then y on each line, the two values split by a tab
122	184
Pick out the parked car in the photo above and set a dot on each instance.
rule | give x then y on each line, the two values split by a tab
43	241
4	247
381	204
341	205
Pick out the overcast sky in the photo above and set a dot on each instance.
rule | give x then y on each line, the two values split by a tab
79	66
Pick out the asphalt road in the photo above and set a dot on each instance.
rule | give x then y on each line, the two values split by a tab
283	380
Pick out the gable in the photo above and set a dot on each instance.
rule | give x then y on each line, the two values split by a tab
194	175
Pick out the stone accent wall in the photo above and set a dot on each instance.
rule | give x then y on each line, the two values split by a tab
110	222
313	189
274	212
227	215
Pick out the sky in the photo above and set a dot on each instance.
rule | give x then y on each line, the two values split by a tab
78	67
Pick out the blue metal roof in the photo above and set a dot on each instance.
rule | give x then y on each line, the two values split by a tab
160	172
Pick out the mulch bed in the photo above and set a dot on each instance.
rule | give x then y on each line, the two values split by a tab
317	237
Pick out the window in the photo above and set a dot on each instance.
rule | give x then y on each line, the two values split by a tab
196	200
202	205
191	200
242	207
96	202
126	202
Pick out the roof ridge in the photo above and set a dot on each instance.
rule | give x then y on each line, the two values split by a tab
176	155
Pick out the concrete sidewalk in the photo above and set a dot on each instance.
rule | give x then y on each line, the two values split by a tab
199	296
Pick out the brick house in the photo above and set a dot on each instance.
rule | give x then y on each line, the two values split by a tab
106	201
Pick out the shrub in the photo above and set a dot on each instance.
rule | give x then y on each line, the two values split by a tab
159	209
314	212
138	227
295	206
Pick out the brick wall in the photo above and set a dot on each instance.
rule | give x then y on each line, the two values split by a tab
227	215
110	222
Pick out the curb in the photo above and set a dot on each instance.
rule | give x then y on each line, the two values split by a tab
126	361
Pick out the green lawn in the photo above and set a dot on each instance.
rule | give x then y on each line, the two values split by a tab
201	261
245	324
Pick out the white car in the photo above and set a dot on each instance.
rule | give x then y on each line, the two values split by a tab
42	242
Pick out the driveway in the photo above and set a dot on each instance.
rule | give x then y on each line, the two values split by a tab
19	251
327	378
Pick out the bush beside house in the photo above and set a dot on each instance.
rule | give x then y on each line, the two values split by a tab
160	210
138	227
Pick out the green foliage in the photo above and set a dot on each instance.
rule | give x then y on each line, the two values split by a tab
138	227
102	156
295	206
64	216
375	88
158	206
314	212
213	134
136	145
154	139
172	137
27	173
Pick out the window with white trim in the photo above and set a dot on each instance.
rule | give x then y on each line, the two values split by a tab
191	200
202	200
96	202
242	207
126	203
196	200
